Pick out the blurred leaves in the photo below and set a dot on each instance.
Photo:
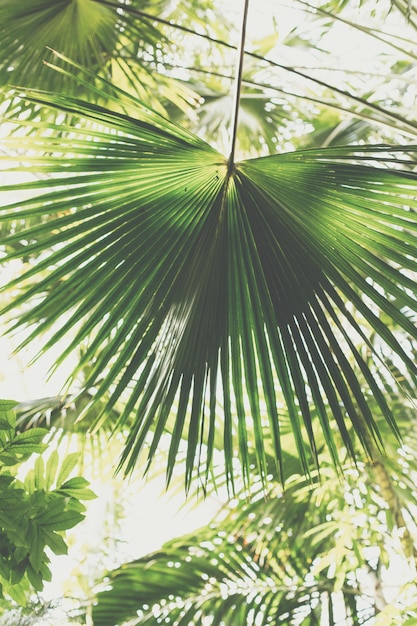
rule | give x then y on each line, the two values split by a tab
293	558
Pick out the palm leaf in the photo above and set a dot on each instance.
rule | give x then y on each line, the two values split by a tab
85	31
193	282
112	39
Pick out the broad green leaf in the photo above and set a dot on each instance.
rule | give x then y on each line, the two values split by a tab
7	405
5	481
9	458
7	522
29	515
30	481
35	548
60	521
34	577
7	414
39	473
17	573
28	442
18	593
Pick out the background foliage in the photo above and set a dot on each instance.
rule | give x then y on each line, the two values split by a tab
35	509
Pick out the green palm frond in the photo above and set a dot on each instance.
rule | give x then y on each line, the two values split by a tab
291	559
165	576
199	288
211	574
113	39
85	31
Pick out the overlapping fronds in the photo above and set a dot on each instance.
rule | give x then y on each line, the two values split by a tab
200	289
113	39
298	558
191	582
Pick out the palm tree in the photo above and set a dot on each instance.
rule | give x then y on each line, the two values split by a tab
259	301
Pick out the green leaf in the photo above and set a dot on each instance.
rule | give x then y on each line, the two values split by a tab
5	481
67	467
55	542
28	442
84	31
51	469
34	577
30	481
7	414
36	547
77	488
60	521
39	473
18	572
113	39
7	405
18	593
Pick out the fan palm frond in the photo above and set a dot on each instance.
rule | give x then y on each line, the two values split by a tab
194	283
110	38
85	31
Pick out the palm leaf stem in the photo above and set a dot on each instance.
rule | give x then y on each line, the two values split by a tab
238	84
394	124
368	117
342	92
374	107
161	20
308	68
409	128
390	119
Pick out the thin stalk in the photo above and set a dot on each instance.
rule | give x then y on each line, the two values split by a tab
293	70
238	85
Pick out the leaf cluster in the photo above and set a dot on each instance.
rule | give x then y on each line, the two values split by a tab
34	510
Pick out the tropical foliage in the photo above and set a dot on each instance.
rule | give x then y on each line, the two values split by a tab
33	511
324	551
228	256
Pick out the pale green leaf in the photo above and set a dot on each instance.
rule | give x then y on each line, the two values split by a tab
68	464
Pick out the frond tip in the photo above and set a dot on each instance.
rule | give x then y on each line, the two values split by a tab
209	299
